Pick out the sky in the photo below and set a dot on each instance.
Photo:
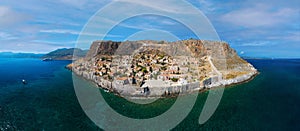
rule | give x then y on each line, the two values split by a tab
254	28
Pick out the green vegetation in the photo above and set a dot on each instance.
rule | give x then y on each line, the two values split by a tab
144	70
161	42
103	58
174	79
163	68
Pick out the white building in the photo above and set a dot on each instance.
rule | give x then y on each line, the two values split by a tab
182	81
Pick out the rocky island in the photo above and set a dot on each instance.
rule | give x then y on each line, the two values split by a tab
159	68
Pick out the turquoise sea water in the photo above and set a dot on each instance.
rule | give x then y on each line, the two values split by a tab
269	102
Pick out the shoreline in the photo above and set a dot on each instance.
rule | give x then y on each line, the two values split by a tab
170	95
244	82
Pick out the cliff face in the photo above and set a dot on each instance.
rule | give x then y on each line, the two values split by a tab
221	54
110	48
102	48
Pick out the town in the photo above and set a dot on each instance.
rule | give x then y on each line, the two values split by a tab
150	69
148	65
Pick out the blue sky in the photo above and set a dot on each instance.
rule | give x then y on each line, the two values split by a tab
254	28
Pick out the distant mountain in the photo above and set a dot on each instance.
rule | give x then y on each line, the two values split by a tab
248	57
66	54
19	55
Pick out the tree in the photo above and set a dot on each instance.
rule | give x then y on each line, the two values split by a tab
174	79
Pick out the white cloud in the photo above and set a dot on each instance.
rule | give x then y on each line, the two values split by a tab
7	36
168	22
257	43
10	17
287	36
207	6
58	22
62	31
159	20
85	4
147	26
260	16
161	5
139	27
55	42
293	37
76	3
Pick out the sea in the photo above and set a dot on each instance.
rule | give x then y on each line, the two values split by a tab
271	101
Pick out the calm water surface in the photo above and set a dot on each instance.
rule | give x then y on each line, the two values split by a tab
269	102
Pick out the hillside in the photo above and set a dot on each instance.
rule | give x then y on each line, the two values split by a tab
163	67
66	54
223	57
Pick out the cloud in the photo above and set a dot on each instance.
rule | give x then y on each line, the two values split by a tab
158	20
84	4
61	31
57	22
73	32
207	6
248	25
292	36
143	26
257	43
7	36
145	22
148	26
160	5
10	17
168	22
55	42
34	47
76	3
260	15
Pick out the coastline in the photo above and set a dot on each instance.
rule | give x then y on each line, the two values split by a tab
110	89
154	73
232	84
243	82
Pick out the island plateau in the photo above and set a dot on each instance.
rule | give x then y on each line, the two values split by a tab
149	68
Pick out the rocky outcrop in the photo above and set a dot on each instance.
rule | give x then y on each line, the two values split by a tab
111	47
208	63
102	48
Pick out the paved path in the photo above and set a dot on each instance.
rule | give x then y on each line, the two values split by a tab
214	68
